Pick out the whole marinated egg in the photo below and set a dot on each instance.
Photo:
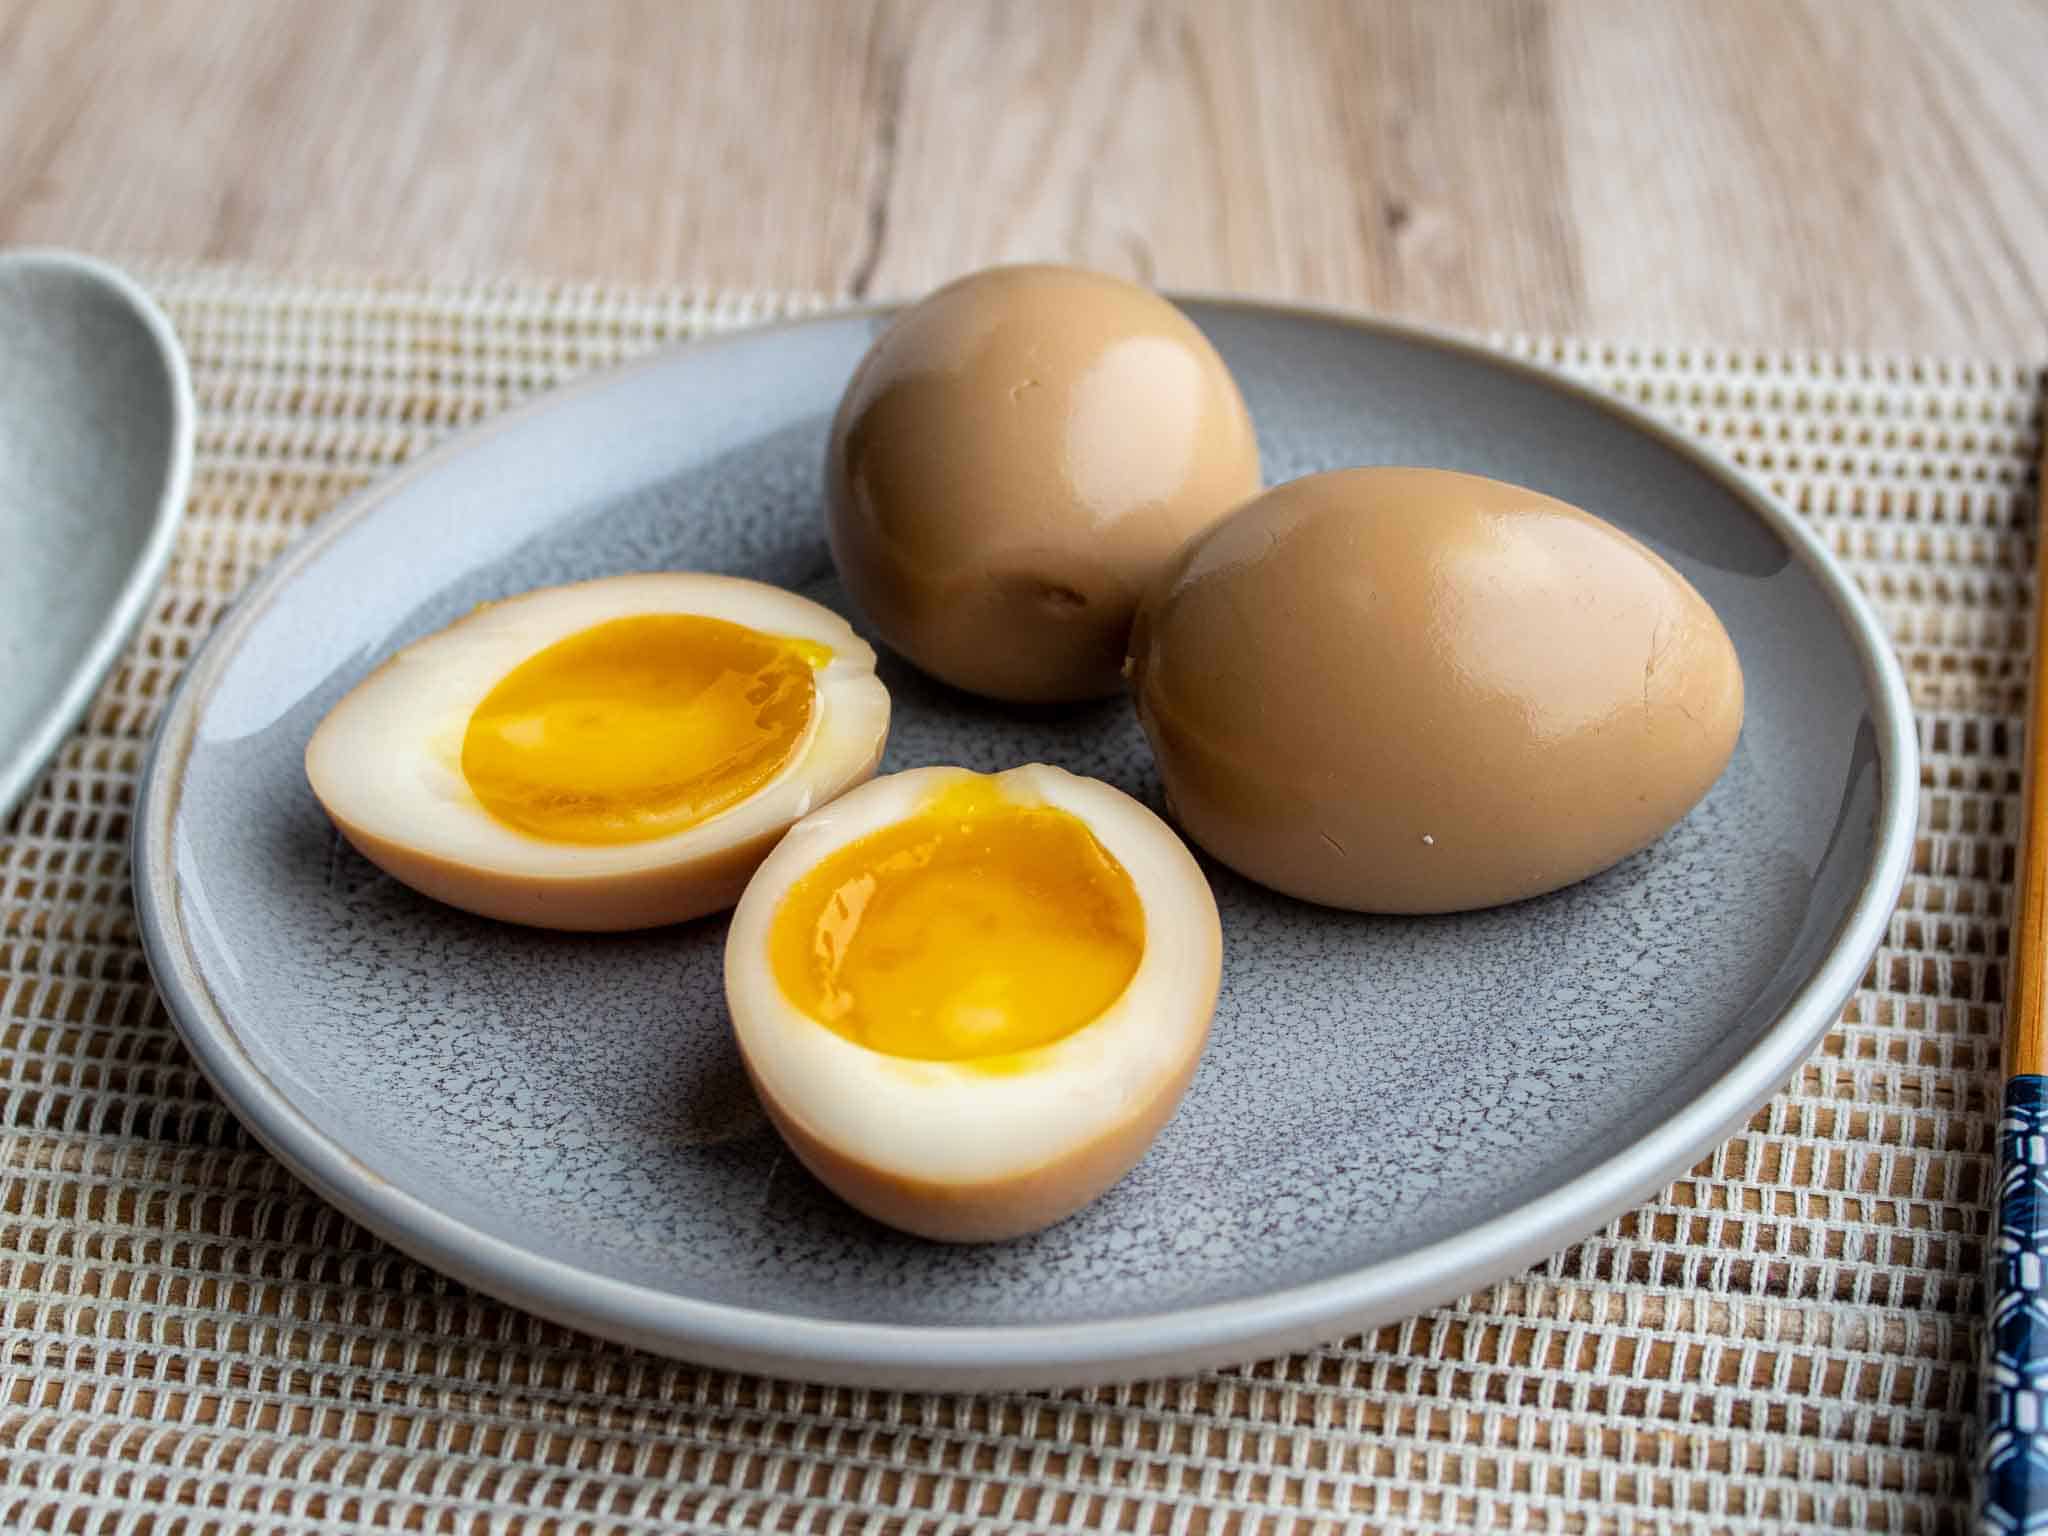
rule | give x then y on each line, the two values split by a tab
1011	464
1409	690
614	754
969	1003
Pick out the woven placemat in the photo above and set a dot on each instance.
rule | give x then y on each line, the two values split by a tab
193	1342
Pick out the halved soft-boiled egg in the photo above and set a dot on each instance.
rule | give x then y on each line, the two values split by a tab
970	1002
617	753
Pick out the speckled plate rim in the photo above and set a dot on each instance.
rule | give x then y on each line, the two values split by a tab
23	763
1037	1355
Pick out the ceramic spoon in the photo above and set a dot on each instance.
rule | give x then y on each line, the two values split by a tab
95	452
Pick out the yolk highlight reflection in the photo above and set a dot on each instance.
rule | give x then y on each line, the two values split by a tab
640	727
976	928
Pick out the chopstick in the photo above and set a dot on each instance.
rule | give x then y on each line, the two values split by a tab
2012	1460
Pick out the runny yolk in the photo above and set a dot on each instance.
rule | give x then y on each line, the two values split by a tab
976	928
640	727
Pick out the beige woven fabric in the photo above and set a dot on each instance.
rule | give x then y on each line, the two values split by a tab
195	1343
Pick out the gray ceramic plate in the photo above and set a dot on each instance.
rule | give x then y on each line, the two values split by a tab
1390	1111
95	452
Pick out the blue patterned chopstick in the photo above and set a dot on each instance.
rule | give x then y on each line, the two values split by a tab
2012	1465
2012	1449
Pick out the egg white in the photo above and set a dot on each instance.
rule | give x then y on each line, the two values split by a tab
386	762
950	1123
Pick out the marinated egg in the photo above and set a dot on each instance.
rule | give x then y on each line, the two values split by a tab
1408	690
614	754
1011	464
969	1003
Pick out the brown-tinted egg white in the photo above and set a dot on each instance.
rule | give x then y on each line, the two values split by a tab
1408	690
1014	461
969	1003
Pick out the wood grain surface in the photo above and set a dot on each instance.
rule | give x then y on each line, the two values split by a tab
1861	173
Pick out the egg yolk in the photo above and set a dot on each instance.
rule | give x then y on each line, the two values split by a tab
977	928
640	727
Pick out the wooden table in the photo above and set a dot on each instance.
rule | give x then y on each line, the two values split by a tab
1842	173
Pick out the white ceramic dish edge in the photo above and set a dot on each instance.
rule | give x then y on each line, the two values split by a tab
22	771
